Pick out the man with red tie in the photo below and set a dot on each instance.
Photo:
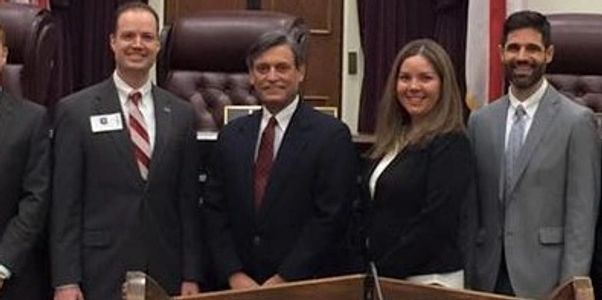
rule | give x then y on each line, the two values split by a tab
125	177
280	182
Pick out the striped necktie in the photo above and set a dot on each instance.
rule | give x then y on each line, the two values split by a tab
139	134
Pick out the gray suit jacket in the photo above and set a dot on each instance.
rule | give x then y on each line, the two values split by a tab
105	218
547	224
24	186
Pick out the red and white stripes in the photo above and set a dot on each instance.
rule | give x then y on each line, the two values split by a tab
484	71
139	134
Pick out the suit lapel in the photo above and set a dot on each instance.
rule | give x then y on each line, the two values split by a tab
369	169
364	190
293	143
500	115
163	127
544	115
107	102
6	113
248	132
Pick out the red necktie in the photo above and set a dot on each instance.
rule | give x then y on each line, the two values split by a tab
139	134
265	158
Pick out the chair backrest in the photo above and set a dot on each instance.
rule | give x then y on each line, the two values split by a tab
203	58
33	42
576	69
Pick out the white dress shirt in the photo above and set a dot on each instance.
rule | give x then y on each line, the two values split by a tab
283	118
147	107
530	105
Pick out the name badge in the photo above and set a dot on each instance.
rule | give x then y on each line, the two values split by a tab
108	122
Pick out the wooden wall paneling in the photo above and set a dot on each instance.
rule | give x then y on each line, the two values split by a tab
322	85
175	8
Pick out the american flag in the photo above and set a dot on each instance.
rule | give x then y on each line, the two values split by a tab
39	3
484	72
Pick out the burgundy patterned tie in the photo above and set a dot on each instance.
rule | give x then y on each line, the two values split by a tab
265	158
138	133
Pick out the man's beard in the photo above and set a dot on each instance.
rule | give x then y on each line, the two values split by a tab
525	81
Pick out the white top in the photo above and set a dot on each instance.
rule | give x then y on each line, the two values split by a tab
146	104
4	272
283	118
530	105
378	170
453	279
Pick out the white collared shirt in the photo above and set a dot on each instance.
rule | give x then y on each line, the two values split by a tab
147	107
530	105
283	118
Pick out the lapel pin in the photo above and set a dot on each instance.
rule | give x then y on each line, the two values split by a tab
167	109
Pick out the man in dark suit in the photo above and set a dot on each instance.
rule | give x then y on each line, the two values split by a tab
125	177
538	173
24	186
280	182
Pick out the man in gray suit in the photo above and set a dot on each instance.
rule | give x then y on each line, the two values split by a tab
24	186
538	172
125	176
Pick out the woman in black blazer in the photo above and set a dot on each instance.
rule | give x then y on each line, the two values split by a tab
420	172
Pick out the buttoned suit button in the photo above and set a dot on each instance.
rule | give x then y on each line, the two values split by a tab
256	240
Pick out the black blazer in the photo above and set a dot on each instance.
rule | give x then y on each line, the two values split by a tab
414	224
106	220
24	186
306	205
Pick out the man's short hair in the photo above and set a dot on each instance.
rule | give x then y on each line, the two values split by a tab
273	39
133	5
528	19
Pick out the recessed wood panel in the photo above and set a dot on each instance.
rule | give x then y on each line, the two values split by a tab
317	13
324	19
175	8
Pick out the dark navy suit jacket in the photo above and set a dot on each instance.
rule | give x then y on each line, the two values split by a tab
306	204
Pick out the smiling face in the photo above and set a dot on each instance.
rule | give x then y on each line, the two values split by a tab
418	86
135	42
525	57
276	78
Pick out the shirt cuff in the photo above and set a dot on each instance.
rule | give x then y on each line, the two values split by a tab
4	272
67	286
